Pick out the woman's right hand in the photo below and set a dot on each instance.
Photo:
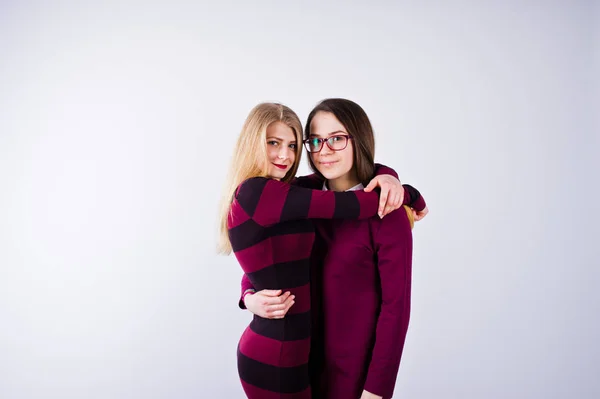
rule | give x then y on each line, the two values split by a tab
269	304
419	215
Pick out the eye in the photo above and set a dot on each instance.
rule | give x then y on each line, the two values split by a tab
273	142
336	139
293	146
314	142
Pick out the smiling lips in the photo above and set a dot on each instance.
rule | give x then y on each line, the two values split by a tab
280	166
327	163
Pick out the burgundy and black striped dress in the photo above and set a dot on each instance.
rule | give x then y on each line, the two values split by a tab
272	238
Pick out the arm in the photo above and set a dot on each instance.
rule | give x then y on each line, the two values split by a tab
268	202
268	304
393	244
247	288
412	197
310	181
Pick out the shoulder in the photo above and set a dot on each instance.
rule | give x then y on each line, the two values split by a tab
259	187
311	181
251	188
394	226
252	184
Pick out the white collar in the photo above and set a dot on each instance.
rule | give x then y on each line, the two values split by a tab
359	186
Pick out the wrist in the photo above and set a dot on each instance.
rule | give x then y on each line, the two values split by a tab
249	291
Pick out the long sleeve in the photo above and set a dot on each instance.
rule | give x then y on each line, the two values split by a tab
413	198
312	181
393	243
269	202
246	285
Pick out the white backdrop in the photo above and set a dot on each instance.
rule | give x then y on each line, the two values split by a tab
117	122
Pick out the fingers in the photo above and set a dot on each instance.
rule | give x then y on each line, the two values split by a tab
397	201
372	184
270	292
419	215
279	311
394	202
401	196
281	306
422	214
383	201
274	306
275	300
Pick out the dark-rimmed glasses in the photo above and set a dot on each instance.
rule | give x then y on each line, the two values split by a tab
335	143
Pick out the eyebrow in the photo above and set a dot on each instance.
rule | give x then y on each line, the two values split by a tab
280	139
329	134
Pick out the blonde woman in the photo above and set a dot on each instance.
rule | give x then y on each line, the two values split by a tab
265	221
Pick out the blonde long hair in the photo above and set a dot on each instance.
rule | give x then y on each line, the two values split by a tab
250	158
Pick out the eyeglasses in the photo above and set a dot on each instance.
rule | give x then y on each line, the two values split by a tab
335	143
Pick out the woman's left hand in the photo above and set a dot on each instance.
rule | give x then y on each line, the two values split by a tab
392	193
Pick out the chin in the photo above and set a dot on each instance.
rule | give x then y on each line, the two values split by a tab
278	174
330	175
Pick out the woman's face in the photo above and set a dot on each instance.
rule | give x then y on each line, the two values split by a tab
281	149
332	164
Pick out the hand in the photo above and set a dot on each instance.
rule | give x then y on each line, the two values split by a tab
269	304
392	193
418	215
369	395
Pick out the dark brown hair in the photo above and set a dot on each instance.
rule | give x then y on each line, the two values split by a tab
357	125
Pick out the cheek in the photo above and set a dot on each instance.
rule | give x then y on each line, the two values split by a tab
314	158
349	157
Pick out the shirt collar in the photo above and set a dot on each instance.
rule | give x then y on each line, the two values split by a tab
359	186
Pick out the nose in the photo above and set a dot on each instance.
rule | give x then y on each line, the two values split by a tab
326	150
284	153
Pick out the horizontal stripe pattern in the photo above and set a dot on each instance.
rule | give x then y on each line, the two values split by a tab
272	239
273	378
250	233
292	327
274	352
297	204
273	250
301	300
346	205
287	274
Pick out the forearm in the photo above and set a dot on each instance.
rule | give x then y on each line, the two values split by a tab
385	170
247	286
412	196
393	243
392	326
268	202
310	181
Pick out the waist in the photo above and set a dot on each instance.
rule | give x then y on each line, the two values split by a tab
292	327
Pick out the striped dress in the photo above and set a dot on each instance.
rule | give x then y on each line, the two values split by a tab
272	238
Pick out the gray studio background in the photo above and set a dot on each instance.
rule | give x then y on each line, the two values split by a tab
117	123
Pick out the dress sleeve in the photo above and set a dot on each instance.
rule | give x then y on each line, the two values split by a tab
310	181
269	202
393	245
412	196
246	285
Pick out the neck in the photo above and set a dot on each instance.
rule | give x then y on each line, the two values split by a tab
343	183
